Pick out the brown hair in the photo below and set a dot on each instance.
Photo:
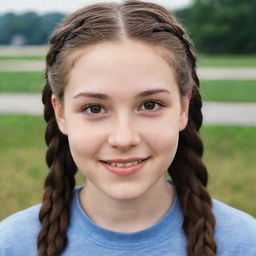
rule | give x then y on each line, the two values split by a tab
152	24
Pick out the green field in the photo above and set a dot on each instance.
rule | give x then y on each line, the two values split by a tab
226	60
229	154
22	158
31	82
228	90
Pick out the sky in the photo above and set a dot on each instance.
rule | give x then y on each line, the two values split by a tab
67	6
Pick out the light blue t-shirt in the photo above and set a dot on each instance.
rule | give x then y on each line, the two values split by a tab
235	234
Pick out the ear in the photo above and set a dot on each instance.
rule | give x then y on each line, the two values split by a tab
59	114
184	110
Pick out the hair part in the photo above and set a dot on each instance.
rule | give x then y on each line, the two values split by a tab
153	25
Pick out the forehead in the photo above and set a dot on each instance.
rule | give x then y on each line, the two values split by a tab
125	64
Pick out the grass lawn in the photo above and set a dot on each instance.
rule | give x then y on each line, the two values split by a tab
226	60
229	154
230	158
32	82
228	90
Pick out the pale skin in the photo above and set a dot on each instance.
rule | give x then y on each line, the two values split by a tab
122	127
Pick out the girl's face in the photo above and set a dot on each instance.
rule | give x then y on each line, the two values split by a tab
122	103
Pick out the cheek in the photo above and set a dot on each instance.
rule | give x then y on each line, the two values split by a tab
166	148
166	142
84	142
163	138
163	132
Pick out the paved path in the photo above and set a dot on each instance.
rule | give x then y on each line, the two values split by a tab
214	113
21	65
240	73
22	103
234	73
229	113
25	50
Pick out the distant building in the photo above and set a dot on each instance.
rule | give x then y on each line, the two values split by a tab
18	40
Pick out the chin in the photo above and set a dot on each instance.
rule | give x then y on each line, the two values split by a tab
126	193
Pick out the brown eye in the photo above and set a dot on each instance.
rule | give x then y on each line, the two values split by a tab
152	105
149	105
93	109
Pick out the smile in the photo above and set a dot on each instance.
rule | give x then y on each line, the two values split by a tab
124	168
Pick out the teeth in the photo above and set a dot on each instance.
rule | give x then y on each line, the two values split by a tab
125	164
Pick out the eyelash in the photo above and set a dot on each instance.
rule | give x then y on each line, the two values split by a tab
88	106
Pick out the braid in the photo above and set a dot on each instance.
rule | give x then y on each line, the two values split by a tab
58	189
190	175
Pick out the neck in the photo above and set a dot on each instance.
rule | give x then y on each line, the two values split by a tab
128	215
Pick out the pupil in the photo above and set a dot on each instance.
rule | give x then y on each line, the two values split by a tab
95	109
149	105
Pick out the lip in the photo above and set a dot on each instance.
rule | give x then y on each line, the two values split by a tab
124	171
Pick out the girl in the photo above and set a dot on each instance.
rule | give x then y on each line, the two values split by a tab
122	105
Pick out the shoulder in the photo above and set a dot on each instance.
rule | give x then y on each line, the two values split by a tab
231	217
235	230
21	218
18	232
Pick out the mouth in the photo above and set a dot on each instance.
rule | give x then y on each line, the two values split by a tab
124	167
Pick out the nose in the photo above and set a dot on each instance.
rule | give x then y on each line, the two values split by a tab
124	134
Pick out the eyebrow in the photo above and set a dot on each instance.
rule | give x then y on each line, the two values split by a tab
105	97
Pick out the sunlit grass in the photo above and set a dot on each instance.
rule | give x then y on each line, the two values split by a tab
15	82
229	154
228	90
226	60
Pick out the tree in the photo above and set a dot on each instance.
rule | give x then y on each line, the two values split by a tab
6	27
221	26
34	28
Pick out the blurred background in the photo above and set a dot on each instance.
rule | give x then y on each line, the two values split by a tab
223	32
